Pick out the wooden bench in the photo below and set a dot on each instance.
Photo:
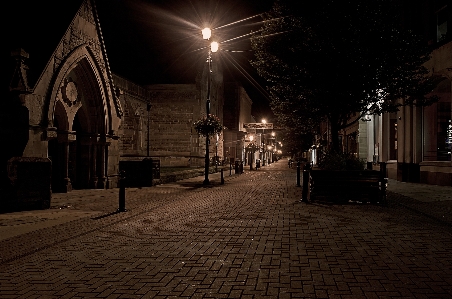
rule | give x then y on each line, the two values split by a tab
351	185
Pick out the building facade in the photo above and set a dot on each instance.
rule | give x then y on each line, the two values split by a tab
237	111
417	141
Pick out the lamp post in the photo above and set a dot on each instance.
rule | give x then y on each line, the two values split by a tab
251	154
148	107
206	34
273	153
263	142
216	153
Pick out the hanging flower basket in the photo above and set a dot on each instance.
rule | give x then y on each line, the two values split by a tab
208	126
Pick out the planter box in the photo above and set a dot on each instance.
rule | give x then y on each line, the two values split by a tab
140	173
28	186
348	185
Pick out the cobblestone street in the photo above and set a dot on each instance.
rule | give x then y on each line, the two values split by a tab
248	238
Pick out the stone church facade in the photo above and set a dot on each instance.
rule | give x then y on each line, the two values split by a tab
73	111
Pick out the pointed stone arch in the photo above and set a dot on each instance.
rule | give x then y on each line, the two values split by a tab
80	111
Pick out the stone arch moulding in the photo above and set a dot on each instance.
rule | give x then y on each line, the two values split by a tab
111	120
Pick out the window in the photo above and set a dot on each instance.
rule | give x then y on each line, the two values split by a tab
437	125
444	131
441	24
393	140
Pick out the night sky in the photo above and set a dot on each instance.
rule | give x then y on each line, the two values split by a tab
159	41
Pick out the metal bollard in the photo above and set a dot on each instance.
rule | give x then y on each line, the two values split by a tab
383	169
122	191
222	178
230	169
384	181
304	194
241	167
298	174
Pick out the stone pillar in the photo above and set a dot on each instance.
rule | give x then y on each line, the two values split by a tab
101	167
66	181
101	163
63	143
92	166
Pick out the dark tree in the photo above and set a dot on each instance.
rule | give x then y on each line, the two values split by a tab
338	60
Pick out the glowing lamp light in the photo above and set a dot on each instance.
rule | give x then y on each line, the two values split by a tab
206	33
214	47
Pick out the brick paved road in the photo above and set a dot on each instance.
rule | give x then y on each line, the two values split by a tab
249	238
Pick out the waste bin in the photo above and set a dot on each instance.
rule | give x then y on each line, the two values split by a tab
140	173
258	163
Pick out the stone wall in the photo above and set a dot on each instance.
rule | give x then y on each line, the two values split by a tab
173	139
133	130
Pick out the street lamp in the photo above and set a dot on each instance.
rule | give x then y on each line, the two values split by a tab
273	153
206	34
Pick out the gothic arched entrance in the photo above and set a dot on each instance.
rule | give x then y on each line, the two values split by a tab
81	121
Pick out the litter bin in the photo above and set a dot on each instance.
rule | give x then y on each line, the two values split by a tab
140	173
258	163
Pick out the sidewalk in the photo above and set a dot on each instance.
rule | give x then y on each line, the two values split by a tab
430	200
88	203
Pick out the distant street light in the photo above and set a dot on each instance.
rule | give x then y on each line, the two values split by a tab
206	34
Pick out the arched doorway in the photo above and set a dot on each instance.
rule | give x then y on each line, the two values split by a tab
78	152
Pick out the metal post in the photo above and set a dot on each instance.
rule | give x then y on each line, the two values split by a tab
383	181
383	169
122	192
206	166
298	174
230	168
222	178
304	194
148	109
216	154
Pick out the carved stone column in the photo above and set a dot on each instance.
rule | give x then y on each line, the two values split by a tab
64	139
66	185
101	162
92	167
